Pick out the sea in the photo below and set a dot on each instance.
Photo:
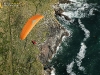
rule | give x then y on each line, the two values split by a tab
79	53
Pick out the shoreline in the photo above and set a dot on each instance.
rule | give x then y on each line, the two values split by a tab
49	47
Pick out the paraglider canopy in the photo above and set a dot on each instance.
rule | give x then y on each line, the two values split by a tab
29	25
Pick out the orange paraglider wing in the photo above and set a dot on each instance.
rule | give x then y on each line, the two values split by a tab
29	25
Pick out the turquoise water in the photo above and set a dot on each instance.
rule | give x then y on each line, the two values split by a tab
79	54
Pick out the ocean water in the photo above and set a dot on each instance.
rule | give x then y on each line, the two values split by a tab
79	53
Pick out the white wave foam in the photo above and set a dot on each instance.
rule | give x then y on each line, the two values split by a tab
53	72
70	68
73	0
87	33
91	11
77	9
78	0
80	56
82	51
63	38
57	49
69	14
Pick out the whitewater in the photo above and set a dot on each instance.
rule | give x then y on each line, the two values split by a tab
71	56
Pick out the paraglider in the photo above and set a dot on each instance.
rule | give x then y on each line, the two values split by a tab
34	42
29	25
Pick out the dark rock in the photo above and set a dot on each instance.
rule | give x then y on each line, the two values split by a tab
64	1
66	17
59	11
48	49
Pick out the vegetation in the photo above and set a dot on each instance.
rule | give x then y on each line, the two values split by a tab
19	57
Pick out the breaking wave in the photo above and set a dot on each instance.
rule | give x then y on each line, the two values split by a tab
82	51
78	12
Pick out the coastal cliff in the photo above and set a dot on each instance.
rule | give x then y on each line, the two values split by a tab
49	47
19	57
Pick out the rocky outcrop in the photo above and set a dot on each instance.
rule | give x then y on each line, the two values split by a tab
59	11
50	45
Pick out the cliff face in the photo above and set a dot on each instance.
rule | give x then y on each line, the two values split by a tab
48	48
53	40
